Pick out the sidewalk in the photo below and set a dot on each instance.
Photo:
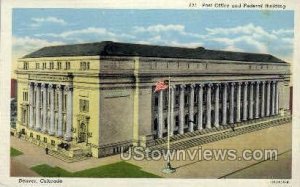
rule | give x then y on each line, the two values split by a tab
278	137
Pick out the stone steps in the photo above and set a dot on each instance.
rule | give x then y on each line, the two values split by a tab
206	131
66	158
227	133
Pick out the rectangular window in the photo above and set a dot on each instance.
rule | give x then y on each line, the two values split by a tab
156	101
25	65
25	96
44	65
45	139
68	65
31	135
37	65
88	65
51	65
58	65
52	142
65	102
84	65
84	105
38	137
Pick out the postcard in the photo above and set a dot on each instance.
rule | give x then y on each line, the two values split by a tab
107	93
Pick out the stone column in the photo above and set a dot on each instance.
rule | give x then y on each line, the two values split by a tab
268	98
52	125
44	128
31	97
251	101
69	91
37	107
238	102
217	107
200	107
160	114
231	114
172	104
191	108
273	98
59	124
277	99
224	101
245	98
263	88
181	109
257	100
208	106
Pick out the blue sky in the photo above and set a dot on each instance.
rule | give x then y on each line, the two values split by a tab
232	30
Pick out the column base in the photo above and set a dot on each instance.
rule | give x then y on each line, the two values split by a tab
67	138
37	129
51	133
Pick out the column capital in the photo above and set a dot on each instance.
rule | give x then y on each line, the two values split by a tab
239	83
70	88
182	86
50	86
200	85
258	82
209	85
171	87
232	83
36	84
192	86
43	85
246	83
217	84
59	87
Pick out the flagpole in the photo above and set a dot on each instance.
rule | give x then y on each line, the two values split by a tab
168	168
169	119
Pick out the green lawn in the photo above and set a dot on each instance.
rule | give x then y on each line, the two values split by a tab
116	170
15	152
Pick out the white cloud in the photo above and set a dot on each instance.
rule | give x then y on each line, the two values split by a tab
251	38
160	28
80	34
283	31
249	29
41	20
185	44
24	45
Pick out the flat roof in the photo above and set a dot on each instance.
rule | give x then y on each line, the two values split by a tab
109	48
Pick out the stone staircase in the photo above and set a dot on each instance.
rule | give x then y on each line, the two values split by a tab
62	155
197	138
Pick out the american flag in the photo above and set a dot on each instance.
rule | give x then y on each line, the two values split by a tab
161	85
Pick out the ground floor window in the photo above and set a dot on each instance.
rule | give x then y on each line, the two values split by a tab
52	142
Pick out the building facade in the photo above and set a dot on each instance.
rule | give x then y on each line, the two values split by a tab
99	97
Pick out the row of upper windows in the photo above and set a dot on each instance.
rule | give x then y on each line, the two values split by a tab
57	65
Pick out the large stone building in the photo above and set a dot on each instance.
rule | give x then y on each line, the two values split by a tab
98	97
